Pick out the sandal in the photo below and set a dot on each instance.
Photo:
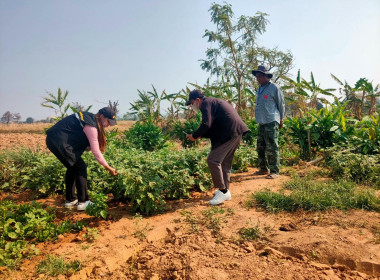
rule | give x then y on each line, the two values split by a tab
261	172
272	176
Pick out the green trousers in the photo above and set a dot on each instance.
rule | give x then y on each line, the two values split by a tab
267	147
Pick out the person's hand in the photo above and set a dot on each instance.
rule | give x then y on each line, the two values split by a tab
281	124
112	171
190	137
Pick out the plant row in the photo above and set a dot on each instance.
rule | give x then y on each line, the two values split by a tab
146	179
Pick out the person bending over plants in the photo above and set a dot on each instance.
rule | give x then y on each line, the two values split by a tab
69	138
223	125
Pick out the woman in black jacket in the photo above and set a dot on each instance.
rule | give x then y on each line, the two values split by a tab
69	138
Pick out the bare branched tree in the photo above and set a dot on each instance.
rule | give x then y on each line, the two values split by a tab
114	105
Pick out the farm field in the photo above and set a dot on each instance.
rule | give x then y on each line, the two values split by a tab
14	136
192	240
305	111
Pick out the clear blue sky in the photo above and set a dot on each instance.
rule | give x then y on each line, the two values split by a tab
101	50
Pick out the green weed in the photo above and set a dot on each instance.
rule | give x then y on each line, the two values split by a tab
91	235
141	230
250	232
54	266
192	220
213	219
316	196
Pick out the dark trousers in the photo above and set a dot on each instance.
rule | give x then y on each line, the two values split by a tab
220	162
267	147
76	175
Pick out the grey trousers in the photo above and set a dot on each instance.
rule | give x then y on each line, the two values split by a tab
220	162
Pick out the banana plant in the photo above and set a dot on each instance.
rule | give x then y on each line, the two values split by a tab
368	92
350	97
295	94
173	110
315	90
57	103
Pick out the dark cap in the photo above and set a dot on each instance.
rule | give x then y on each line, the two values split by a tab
263	70
108	113
194	94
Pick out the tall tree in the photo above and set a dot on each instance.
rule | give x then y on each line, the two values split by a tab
114	105
237	52
7	117
29	120
17	117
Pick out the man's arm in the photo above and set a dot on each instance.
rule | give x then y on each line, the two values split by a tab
280	105
206	121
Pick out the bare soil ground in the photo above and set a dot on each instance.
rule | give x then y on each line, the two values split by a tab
177	245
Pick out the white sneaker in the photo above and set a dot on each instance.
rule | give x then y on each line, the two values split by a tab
220	197
71	204
83	205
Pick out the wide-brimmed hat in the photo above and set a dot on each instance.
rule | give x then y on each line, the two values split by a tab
108	113
194	94
263	70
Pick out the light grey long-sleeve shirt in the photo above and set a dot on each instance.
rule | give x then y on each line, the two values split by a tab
270	105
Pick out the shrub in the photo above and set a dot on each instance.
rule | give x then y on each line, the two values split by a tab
245	156
145	136
367	136
187	127
354	167
250	137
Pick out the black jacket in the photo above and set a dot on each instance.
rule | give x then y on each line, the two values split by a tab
220	122
68	138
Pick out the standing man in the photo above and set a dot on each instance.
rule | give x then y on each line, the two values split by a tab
222	124
269	113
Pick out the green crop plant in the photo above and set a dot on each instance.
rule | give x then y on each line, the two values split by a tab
23	225
99	208
245	156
